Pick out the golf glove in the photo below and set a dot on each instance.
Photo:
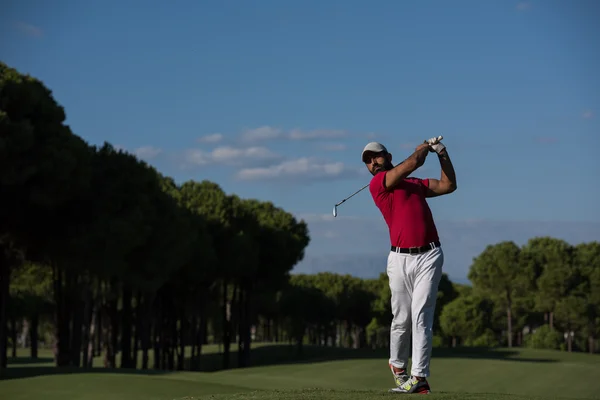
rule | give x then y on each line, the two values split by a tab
435	140
436	145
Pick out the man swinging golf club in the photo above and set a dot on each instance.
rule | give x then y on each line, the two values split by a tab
414	264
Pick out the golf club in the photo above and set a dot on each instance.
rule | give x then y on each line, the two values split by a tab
359	190
335	207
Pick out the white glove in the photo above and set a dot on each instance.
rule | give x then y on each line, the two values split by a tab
436	145
435	140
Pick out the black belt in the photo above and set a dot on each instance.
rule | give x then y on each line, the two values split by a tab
416	250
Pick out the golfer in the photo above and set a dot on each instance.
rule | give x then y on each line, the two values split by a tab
414	264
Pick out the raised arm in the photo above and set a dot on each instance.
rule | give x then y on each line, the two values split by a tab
395	175
447	182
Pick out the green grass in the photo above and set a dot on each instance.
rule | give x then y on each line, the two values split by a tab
336	374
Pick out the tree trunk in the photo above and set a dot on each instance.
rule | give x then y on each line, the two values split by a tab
247	331
509	320
155	345
92	335
77	322
145	328
204	322
106	342
241	321
126	327
4	299
137	329
63	318
111	325
226	326
591	344
551	320
201	333
97	338
26	325
453	341
33	334
181	352
159	334
172	337
13	336
193	337
156	340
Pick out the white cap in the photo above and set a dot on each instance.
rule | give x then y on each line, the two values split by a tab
375	147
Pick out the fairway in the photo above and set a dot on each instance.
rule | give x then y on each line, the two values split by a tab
456	374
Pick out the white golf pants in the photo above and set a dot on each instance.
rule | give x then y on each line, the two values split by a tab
414	281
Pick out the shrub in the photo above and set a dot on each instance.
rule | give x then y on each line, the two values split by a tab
545	338
487	339
438	341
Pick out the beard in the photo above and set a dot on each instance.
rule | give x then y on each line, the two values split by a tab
379	168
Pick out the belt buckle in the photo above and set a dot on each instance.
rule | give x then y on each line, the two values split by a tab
410	250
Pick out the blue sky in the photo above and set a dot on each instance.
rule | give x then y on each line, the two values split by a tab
276	99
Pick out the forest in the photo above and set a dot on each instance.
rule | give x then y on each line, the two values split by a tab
102	255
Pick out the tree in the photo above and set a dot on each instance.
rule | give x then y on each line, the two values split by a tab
32	285
446	294
545	259
208	200
587	261
496	273
280	240
42	167
462	318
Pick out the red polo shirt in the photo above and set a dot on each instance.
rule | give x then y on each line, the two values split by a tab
405	211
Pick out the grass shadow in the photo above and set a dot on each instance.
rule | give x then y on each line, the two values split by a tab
268	355
29	360
287	354
23	371
489	354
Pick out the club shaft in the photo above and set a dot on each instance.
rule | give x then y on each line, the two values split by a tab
359	190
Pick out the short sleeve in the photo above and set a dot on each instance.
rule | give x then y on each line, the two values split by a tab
376	186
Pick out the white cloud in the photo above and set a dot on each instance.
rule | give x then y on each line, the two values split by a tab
300	168
196	157
230	155
261	133
29	29
269	133
147	152
587	114
212	138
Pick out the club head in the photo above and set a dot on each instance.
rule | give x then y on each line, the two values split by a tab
335	211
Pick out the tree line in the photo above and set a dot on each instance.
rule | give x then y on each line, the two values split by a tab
101	254
121	254
544	294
